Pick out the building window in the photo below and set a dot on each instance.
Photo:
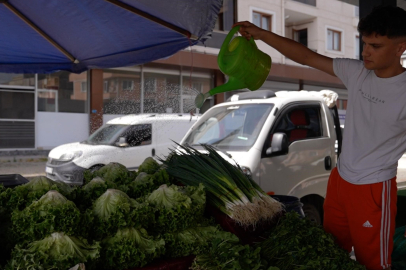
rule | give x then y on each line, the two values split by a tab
300	36
128	85
150	84
105	86
226	16
83	87
262	20
333	40
357	47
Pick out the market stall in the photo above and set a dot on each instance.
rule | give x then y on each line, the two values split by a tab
193	211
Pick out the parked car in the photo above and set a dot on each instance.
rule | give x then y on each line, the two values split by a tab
128	140
286	141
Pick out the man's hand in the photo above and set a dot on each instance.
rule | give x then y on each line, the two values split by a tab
249	30
288	47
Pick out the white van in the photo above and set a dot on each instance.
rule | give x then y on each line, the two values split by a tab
285	140
127	140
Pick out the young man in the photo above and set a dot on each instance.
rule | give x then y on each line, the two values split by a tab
360	204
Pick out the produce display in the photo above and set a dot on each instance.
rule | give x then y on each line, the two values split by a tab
125	220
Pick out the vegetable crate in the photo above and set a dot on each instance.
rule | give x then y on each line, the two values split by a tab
12	180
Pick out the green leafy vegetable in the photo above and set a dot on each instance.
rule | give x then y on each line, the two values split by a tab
149	166
227	253
22	196
114	172
130	247
228	188
146	183
297	243
192	241
114	210
57	251
87	194
177	208
51	213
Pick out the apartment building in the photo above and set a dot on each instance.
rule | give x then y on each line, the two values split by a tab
41	111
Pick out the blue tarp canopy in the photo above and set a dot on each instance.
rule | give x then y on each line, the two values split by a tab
42	36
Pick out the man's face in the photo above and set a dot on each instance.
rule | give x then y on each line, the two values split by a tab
380	52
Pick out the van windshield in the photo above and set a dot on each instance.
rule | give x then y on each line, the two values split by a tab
106	134
230	127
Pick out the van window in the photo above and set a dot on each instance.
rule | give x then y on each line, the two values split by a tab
300	123
105	134
234	127
138	135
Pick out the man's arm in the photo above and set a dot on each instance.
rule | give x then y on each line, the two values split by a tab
290	48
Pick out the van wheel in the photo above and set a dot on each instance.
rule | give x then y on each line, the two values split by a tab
312	213
95	167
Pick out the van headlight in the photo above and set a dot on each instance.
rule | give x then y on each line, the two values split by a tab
71	156
246	170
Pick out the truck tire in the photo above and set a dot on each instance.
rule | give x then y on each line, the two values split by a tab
312	213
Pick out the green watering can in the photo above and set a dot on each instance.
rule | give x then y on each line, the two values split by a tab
245	65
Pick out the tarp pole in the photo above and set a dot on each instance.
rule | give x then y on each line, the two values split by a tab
154	19
39	31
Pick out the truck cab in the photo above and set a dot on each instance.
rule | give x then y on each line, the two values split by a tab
286	141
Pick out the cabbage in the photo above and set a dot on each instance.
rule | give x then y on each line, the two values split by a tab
57	251
149	166
114	172
129	248
51	213
115	209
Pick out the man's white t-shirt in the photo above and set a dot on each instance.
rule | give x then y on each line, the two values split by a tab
375	123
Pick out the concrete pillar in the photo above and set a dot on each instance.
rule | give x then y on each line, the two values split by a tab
96	100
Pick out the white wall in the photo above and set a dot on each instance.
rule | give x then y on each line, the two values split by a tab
53	129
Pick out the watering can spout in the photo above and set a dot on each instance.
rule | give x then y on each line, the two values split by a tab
232	84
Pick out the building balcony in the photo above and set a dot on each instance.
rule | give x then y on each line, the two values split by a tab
307	2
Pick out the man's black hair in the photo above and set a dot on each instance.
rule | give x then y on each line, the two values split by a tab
387	21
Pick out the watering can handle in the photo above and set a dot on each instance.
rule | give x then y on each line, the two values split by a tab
227	40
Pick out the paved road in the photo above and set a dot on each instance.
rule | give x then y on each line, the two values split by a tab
30	166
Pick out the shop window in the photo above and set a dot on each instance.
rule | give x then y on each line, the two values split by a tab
333	40
262	20
150	85
122	91
300	36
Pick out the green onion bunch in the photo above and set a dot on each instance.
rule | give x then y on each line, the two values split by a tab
228	188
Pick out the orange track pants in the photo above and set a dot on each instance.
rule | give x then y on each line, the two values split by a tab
363	217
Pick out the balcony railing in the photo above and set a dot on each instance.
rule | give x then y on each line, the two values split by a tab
308	2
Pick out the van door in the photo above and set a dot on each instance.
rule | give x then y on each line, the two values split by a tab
306	162
138	146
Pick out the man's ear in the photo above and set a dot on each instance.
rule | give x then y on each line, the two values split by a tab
401	48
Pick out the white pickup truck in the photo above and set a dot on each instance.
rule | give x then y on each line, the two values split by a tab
287	141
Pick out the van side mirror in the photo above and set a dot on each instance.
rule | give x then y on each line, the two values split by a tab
122	142
279	144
